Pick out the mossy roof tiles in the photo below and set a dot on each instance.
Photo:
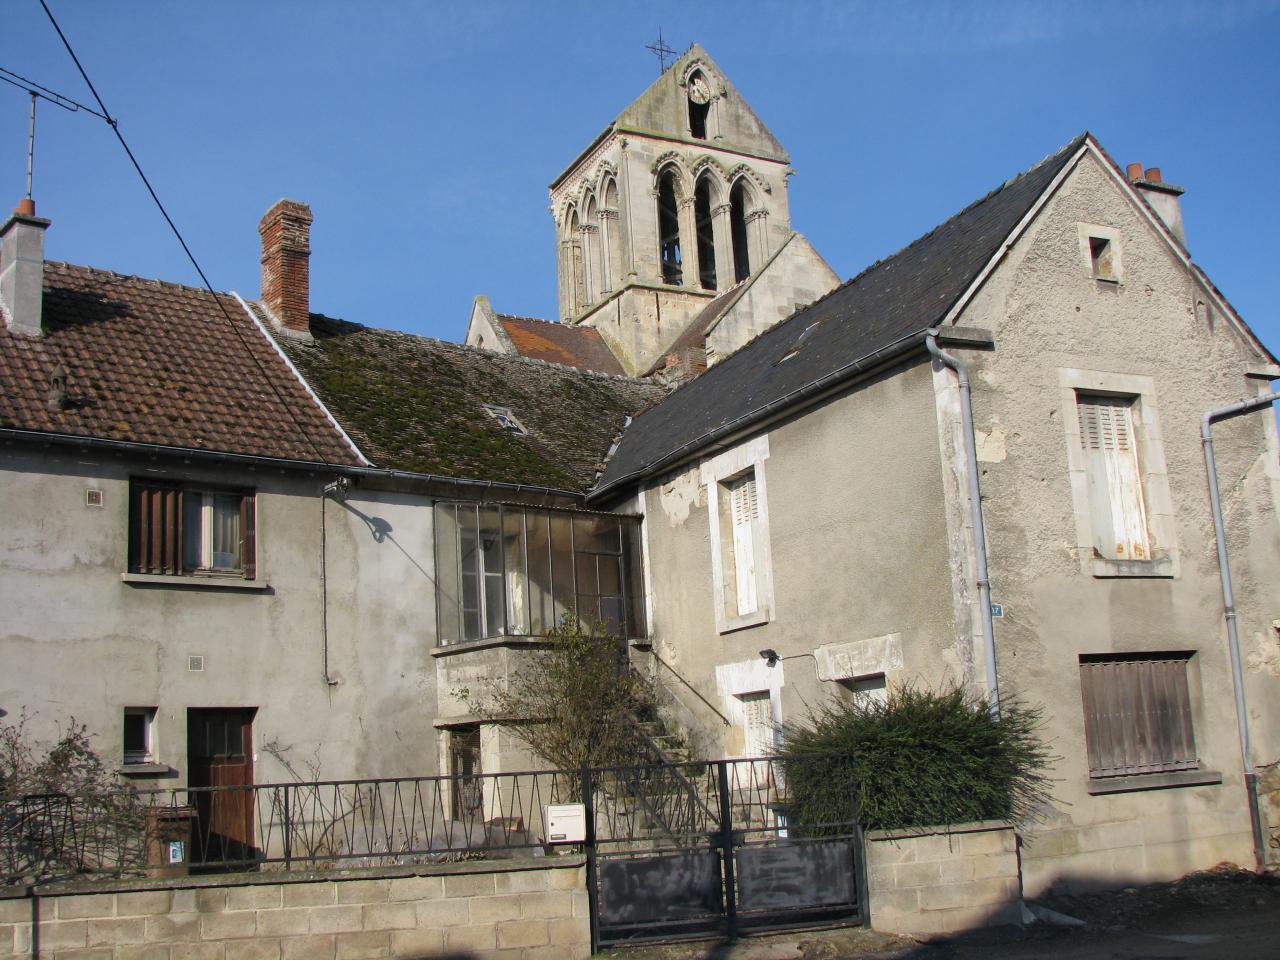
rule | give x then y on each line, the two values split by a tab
417	404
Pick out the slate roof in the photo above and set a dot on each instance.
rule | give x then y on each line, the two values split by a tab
574	346
159	363
888	302
416	404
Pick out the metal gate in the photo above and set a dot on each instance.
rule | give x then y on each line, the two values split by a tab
684	850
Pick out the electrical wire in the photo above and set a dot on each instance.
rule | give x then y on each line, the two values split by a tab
115	127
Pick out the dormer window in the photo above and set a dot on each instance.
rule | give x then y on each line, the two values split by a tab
506	419
699	105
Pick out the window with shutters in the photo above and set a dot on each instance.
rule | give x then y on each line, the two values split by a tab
739	522
1115	483
1138	719
181	530
1119	482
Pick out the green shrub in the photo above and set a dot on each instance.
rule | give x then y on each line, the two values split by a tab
920	758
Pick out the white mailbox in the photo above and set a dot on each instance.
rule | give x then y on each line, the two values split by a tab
566	823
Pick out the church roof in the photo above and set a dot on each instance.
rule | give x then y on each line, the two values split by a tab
574	346
888	303
161	364
417	404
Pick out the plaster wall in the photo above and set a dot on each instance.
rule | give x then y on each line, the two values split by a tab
1049	315
858	554
795	277
77	641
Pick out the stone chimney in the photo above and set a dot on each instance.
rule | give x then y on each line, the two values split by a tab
22	269
1163	197
286	253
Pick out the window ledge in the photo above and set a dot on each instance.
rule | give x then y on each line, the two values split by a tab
754	619
145	770
507	640
1162	568
198	582
1153	781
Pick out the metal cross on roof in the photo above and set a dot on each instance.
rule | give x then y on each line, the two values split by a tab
661	51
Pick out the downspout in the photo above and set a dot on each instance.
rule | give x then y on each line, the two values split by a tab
338	490
1229	611
975	511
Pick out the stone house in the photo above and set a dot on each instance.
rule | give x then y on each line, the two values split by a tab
809	521
247	525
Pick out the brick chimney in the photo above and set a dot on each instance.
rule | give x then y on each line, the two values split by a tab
1163	197
22	269
286	253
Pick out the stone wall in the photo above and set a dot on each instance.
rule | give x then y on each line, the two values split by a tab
943	879
516	910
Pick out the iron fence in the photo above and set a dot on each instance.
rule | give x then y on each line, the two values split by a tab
307	825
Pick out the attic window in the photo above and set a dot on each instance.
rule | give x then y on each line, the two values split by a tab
1101	252
506	419
800	341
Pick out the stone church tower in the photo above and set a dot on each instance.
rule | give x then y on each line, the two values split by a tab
674	239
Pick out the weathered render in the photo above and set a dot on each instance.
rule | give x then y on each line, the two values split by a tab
1062	290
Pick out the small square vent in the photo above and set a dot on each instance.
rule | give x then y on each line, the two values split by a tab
93	498
195	664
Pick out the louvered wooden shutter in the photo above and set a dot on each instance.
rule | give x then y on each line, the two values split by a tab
745	511
248	537
1115	484
155	522
1137	716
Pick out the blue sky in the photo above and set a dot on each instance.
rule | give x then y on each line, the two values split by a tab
424	135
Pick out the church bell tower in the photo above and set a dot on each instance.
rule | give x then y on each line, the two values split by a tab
682	198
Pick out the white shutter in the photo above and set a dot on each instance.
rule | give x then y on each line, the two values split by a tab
757	712
745	510
1115	484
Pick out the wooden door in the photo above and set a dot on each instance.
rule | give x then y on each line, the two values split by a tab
220	755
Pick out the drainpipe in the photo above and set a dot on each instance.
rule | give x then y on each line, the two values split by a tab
1229	610
975	510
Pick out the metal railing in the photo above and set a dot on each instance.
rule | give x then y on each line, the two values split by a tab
286	826
378	822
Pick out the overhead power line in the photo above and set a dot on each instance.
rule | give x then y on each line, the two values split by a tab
105	115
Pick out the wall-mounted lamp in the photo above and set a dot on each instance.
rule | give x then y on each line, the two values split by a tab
770	656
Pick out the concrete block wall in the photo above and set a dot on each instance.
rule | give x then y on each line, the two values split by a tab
515	910
943	879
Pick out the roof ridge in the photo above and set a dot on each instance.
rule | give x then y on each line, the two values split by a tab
156	281
517	316
1070	146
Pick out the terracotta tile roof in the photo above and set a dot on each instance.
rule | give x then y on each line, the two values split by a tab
158	363
417	404
580	347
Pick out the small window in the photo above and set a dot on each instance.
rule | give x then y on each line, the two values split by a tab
139	735
867	690
506	419
178	530
1137	713
1102	258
